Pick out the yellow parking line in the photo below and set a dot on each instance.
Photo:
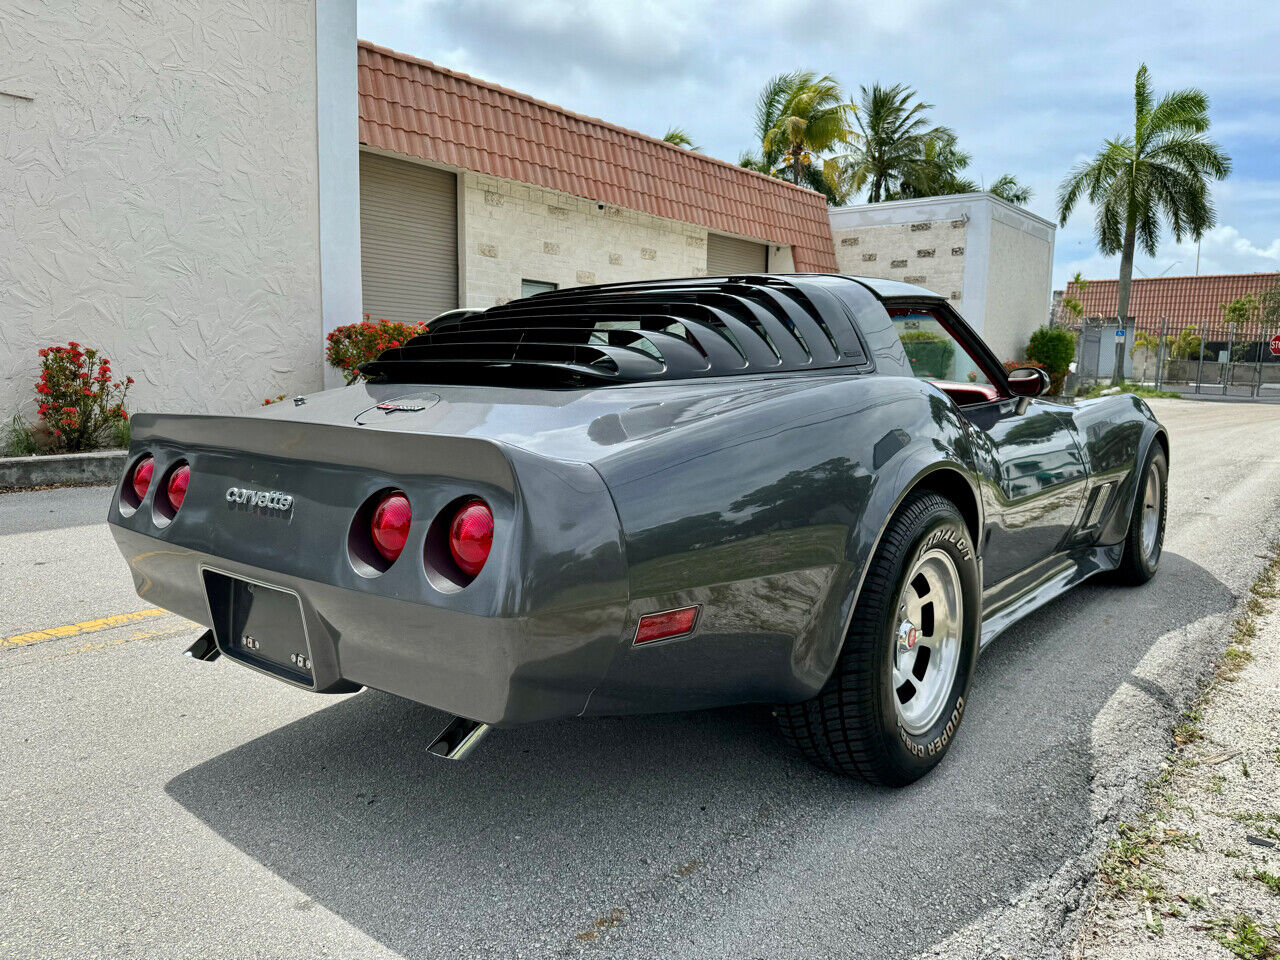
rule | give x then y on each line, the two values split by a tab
136	635
74	629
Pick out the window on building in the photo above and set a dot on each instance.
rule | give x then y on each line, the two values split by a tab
529	287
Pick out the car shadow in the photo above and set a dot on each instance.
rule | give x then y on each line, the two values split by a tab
622	835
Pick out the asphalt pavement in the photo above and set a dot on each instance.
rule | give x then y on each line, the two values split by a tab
152	806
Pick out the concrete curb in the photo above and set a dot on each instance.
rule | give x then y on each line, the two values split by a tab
69	469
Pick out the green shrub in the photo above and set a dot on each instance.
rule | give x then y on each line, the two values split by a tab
1054	349
930	355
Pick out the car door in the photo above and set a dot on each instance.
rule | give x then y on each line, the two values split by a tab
1035	475
1038	480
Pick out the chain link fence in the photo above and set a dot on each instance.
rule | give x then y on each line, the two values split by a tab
1209	358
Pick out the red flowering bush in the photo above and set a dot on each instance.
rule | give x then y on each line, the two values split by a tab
79	400
1012	365
357	343
1055	381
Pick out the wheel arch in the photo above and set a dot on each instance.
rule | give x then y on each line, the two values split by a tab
947	478
1117	525
947	481
1162	437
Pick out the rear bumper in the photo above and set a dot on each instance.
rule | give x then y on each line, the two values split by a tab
480	667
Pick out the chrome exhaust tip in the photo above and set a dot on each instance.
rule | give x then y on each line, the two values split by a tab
458	739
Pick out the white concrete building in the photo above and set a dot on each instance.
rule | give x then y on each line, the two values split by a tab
992	259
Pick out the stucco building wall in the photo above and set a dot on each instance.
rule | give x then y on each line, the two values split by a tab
1020	271
158	196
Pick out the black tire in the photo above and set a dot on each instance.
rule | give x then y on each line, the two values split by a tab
1140	561
852	725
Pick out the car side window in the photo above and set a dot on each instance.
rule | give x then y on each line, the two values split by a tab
934	354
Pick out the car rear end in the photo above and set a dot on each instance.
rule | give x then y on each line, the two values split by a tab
459	572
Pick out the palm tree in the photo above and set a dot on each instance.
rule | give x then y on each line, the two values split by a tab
1159	172
799	117
938	169
1071	304
934	171
768	109
893	130
1007	187
679	136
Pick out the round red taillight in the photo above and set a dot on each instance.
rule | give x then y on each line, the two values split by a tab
141	478
471	536
390	525
178	481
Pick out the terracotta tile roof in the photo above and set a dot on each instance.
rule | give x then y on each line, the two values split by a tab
1185	301
413	107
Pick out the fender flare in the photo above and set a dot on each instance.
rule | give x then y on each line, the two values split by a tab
1154	433
920	470
1116	527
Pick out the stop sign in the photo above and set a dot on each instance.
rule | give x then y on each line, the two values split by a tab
1275	345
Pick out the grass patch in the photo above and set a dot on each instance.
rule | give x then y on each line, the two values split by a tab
1128	855
1246	939
1137	389
1187	730
1262	824
1237	655
17	440
1135	849
1268	880
1193	900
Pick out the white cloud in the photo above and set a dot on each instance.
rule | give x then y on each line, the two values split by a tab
1226	250
1223	249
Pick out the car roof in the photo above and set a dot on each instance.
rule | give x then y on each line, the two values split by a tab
885	289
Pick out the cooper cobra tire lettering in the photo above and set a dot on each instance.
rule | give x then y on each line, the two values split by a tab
937	744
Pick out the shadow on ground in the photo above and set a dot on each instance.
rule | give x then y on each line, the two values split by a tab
707	835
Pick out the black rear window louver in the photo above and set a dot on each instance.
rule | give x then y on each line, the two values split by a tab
634	332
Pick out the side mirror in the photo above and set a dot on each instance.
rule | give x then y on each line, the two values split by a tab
1029	382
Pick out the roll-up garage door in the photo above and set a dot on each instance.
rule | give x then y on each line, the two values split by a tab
408	239
731	255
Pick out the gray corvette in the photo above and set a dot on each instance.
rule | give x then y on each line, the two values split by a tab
813	491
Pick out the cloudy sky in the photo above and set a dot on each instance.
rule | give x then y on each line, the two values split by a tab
1030	87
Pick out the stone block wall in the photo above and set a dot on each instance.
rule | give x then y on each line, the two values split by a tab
512	231
927	253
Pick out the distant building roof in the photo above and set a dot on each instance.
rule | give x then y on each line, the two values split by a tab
1185	301
413	107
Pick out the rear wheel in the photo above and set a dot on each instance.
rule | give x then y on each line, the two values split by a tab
896	697
1145	540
